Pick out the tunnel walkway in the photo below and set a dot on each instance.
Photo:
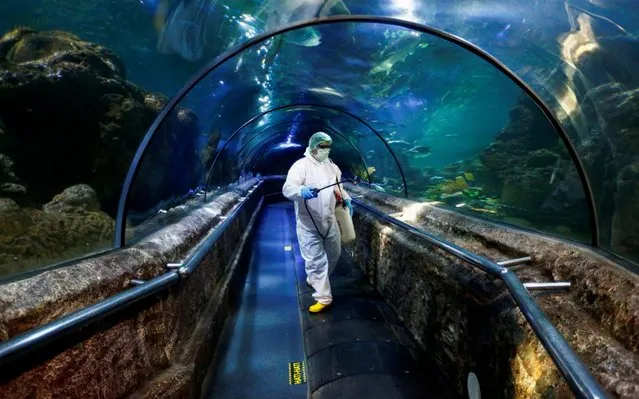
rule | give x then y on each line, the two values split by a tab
357	348
262	336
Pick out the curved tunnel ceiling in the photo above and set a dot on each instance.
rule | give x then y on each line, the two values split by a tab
359	72
331	119
582	57
272	145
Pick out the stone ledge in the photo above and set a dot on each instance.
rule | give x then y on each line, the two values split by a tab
468	322
184	378
144	342
607	291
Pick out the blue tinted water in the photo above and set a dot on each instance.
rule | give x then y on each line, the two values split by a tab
440	108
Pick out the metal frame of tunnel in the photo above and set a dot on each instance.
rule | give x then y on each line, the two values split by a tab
310	105
332	131
120	222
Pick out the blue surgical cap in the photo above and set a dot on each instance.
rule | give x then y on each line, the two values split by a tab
318	138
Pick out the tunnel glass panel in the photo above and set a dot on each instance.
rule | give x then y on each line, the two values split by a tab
260	158
299	123
437	122
581	57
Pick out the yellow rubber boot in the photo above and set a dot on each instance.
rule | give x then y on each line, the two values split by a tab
318	307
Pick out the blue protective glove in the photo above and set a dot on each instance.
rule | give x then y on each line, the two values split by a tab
308	193
349	206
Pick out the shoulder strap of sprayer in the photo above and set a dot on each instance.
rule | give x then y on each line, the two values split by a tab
339	186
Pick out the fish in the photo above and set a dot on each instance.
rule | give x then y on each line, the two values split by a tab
401	144
306	37
327	91
393	57
554	171
160	15
184	31
360	135
284	12
420	151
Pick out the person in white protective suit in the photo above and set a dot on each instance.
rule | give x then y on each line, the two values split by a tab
317	230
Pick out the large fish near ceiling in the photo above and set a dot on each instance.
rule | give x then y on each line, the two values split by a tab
184	30
278	13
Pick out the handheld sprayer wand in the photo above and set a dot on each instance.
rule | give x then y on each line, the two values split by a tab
316	191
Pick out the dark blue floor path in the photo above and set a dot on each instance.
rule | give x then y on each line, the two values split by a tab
263	336
357	348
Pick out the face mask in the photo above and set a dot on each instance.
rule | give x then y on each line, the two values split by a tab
322	154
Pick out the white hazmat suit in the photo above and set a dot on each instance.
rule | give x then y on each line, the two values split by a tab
320	254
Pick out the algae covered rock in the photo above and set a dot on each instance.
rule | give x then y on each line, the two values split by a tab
9	183
527	162
610	157
70	124
70	226
8	205
75	199
70	117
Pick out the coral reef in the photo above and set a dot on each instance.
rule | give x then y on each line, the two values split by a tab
69	226
519	165
525	177
605	124
610	158
70	124
68	116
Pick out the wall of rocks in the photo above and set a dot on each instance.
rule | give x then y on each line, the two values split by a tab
467	321
161	347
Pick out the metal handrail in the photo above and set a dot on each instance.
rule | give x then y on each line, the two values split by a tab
29	341
571	367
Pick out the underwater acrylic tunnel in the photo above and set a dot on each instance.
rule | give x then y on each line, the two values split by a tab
580	58
249	160
360	20
209	75
362	165
577	375
305	107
